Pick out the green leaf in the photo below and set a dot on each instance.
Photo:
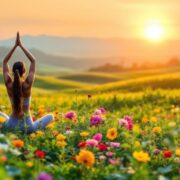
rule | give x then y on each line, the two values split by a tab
114	177
165	169
12	171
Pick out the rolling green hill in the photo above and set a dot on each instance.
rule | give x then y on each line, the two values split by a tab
166	81
91	78
52	83
87	82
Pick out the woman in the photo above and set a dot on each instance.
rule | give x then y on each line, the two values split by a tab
19	91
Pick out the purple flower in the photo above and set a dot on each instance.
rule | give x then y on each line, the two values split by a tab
70	115
98	137
114	144
95	120
44	176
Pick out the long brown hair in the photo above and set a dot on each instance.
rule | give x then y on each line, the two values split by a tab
18	70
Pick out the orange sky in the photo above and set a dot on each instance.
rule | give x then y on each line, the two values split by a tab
97	18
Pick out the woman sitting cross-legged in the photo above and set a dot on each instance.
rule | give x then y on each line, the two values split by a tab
19	91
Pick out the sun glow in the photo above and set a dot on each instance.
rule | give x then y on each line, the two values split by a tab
154	31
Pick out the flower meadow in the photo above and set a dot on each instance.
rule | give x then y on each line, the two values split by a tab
107	136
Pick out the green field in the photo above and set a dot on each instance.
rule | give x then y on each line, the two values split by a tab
150	150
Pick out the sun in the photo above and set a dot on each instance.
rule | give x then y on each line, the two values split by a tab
154	31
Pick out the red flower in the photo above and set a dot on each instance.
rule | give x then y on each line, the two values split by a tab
73	158
33	118
40	154
82	144
102	147
167	153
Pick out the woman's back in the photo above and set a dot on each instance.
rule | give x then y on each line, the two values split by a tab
26	100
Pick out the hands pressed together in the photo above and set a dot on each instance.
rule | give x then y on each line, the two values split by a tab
18	41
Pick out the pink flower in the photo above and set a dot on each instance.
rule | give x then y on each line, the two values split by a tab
113	161
114	144
103	111
97	112
126	122
100	111
156	151
123	122
98	137
130	122
91	142
70	115
109	154
102	157
95	120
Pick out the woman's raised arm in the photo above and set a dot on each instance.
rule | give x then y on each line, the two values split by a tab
30	77
6	74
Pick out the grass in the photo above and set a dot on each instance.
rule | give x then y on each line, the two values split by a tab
159	107
91	78
166	81
152	101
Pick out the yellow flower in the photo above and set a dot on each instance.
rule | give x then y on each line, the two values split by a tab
137	144
61	137
84	134
41	111
18	143
157	110
33	135
61	143
111	133
153	119
56	115
141	156
51	125
157	129
55	133
144	120
82	120
39	133
173	106
2	120
136	129
85	158
177	152
29	164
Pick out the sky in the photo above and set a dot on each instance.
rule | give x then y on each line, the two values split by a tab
88	18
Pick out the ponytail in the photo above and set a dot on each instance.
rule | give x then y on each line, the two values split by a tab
17	93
